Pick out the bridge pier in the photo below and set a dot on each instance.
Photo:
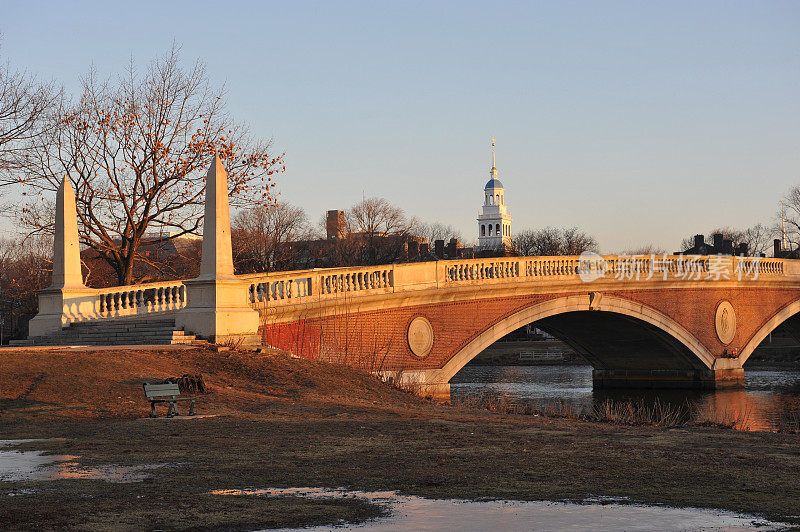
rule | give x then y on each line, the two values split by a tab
710	379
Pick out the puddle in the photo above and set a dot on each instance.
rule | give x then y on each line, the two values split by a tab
18	466
410	513
13	443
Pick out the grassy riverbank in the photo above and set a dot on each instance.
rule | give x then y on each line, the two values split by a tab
283	422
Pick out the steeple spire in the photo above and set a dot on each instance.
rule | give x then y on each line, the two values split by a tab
493	171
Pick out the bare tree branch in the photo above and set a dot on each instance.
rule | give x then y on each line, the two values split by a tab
136	151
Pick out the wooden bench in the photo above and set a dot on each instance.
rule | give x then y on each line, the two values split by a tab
166	393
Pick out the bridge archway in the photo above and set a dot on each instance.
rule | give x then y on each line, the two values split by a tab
565	316
787	313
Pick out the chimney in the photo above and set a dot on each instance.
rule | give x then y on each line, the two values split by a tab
718	243
742	249
334	225
438	246
776	247
452	248
727	247
699	240
413	248
423	249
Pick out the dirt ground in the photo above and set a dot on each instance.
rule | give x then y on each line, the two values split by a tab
284	422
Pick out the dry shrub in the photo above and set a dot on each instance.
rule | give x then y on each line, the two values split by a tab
638	413
559	409
504	404
233	343
189	384
623	413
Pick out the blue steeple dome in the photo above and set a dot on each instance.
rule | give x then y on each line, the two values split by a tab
493	182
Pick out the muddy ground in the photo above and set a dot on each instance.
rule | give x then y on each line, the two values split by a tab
283	422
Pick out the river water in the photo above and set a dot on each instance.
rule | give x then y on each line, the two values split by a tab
770	399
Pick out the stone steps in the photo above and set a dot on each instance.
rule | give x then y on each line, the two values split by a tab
159	331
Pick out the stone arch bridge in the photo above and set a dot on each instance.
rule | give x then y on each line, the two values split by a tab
645	321
666	321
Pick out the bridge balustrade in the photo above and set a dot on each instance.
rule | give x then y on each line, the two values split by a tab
275	288
141	299
289	288
126	301
688	267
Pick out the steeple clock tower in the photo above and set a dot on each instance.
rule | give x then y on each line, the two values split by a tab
494	222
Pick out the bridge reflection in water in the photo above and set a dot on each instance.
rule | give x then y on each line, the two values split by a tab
770	399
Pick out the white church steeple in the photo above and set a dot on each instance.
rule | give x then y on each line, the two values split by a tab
494	222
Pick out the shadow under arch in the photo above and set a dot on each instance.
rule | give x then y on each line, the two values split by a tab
561	316
786	313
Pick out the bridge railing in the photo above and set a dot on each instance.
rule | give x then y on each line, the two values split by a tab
125	301
593	267
287	288
290	288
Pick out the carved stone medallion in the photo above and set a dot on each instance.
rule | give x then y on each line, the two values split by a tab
725	322
420	336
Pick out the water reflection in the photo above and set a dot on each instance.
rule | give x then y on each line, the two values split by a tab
770	399
16	466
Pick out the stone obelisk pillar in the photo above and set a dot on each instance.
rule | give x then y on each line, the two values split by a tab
217	302
67	297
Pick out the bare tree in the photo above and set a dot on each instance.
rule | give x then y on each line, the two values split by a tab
382	227
25	267
574	241
758	239
263	236
136	152
648	249
437	231
24	104
550	241
790	212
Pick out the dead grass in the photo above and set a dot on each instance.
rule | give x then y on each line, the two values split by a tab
656	413
284	422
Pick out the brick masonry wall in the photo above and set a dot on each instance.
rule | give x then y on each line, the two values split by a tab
377	340
695	310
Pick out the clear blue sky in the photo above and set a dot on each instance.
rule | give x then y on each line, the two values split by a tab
640	122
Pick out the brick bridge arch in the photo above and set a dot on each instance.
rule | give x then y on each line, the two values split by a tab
789	315
672	335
